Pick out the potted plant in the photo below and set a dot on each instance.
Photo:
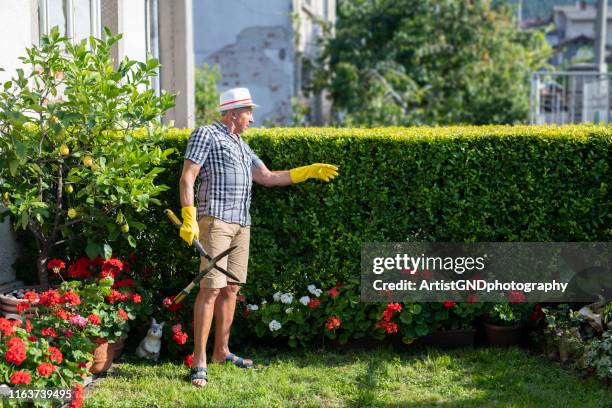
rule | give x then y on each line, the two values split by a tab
454	324
70	166
504	321
562	331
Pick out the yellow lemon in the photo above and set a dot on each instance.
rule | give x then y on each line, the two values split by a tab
125	228
6	196
87	161
69	189
72	213
64	150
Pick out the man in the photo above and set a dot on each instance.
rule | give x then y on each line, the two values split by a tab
226	166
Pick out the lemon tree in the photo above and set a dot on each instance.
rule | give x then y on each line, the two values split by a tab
78	136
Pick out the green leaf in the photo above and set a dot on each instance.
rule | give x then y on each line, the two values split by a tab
131	241
108	251
93	249
13	165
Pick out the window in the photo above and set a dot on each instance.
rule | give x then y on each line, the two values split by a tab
77	19
152	38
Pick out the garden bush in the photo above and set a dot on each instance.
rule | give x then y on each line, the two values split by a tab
464	184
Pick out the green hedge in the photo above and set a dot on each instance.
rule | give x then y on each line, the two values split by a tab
492	183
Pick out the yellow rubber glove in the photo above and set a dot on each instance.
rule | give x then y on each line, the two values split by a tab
189	229
322	171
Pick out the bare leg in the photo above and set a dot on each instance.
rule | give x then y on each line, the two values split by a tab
224	316
203	315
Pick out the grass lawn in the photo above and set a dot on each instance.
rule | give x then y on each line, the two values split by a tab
358	378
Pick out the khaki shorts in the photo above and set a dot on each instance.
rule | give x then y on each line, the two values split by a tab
216	236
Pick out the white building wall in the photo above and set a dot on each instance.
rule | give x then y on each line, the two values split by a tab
134	30
17	33
252	42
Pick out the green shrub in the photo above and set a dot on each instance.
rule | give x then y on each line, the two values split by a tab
492	183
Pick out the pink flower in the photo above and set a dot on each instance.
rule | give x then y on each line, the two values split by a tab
177	328
78	320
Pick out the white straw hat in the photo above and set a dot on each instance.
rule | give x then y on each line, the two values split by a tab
235	98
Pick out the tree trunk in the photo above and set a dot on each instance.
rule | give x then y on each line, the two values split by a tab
41	264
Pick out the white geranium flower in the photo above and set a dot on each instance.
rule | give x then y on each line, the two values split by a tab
305	300
276	296
286	298
274	325
318	292
289	310
263	302
252	307
312	289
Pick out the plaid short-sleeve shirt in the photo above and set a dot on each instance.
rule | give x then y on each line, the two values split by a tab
225	179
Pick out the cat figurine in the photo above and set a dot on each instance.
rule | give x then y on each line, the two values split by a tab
150	345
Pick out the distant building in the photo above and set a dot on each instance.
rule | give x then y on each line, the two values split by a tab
262	45
575	30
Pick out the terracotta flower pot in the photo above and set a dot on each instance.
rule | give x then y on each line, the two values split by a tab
450	338
503	336
117	347
10	299
102	358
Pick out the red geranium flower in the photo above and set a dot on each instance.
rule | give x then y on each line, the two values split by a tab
333	323
22	307
189	360
115	296
449	304
112	267
180	338
516	297
63	314
32	338
77	399
177	328
45	369
20	377
56	265
391	327
395	307
122	313
537	315
6	327
136	298
72	298
49	332
16	353
31	296
314	303
94	319
333	292
50	298
56	355
80	269
28	326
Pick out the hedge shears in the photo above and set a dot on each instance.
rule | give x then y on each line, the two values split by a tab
212	262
